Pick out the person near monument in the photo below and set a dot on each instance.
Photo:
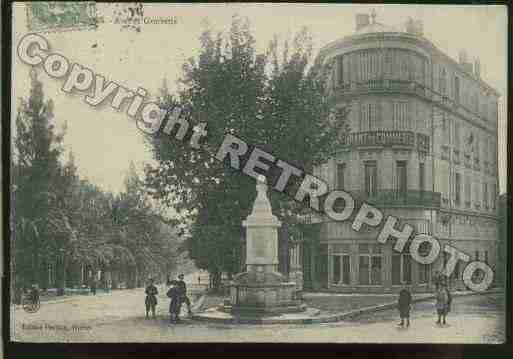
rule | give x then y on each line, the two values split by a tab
183	292
151	298
175	303
404	306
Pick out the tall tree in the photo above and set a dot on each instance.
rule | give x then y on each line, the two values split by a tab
36	168
277	102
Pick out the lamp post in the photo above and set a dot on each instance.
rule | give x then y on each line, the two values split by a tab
62	290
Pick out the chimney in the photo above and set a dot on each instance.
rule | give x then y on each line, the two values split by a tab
419	27
409	26
477	67
362	20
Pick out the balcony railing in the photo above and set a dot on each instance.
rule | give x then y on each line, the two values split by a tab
387	138
393	197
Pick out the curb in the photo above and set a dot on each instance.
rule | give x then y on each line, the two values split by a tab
333	317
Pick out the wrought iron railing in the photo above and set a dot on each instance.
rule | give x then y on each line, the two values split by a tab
394	197
387	138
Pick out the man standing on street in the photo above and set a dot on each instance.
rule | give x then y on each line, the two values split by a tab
151	298
183	292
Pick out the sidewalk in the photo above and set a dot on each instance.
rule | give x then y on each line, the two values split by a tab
357	304
334	307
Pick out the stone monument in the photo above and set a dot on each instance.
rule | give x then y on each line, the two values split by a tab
261	288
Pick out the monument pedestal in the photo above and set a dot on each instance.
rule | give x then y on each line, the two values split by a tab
261	289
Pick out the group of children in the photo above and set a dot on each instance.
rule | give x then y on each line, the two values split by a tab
443	302
177	293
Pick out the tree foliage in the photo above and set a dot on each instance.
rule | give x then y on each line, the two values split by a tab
276	100
59	217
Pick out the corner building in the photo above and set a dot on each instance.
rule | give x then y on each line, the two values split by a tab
422	146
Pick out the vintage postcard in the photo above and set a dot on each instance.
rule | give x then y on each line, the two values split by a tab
278	173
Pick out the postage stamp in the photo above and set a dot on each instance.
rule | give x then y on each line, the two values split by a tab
61	16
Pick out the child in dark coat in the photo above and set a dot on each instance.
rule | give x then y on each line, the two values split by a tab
151	298
174	306
404	305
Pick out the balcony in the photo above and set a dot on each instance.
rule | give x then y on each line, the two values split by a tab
386	138
393	197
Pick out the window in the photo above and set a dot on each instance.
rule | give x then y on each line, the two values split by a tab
369	269
341	264
485	194
476	256
401	176
457	134
477	200
467	191
457	89
486	146
336	269
476	148
424	273
405	68
401	116
401	269
492	195
457	188
370	116
445	128
422	174
346	269
371	177
341	168
421	125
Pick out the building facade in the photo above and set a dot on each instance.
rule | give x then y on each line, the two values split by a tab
422	146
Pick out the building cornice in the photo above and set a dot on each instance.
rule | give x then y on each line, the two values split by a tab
417	40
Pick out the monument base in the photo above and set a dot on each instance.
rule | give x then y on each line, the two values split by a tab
261	293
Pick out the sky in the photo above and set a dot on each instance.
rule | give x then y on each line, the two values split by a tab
104	141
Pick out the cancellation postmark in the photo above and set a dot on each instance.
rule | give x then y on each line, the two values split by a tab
57	16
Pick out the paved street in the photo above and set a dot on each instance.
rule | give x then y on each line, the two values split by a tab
119	317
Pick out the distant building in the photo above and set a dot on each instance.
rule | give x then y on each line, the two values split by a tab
422	146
